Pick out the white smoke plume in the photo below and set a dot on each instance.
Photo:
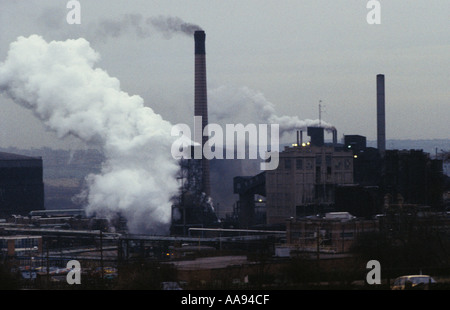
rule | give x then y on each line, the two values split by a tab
244	105
59	83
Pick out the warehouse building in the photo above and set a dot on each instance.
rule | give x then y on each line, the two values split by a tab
21	184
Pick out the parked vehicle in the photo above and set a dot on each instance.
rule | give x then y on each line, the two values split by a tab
415	282
170	286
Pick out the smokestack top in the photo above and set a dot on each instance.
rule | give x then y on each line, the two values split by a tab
199	37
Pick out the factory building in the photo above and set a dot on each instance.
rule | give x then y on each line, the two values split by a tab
21	184
348	177
336	232
304	182
409	175
306	178
413	176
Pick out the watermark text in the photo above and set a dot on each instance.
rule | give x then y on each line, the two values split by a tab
374	275
74	275
374	15
74	15
231	143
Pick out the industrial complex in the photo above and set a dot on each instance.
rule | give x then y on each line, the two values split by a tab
298	225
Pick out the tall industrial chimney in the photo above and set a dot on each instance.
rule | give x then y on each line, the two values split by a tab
201	100
381	116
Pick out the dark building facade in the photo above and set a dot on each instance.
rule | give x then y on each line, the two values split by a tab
21	184
413	175
409	175
247	206
359	200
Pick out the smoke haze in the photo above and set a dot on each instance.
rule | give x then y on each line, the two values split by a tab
141	26
171	25
244	105
59	83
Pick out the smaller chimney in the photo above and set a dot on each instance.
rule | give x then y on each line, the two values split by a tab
381	116
334	136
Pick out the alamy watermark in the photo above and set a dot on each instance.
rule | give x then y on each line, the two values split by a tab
74	14
74	275
374	275
236	145
374	15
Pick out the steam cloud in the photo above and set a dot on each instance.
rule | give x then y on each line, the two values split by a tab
59	83
254	108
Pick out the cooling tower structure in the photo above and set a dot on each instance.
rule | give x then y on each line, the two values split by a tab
381	116
201	101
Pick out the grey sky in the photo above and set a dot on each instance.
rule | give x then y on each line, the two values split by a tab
294	52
